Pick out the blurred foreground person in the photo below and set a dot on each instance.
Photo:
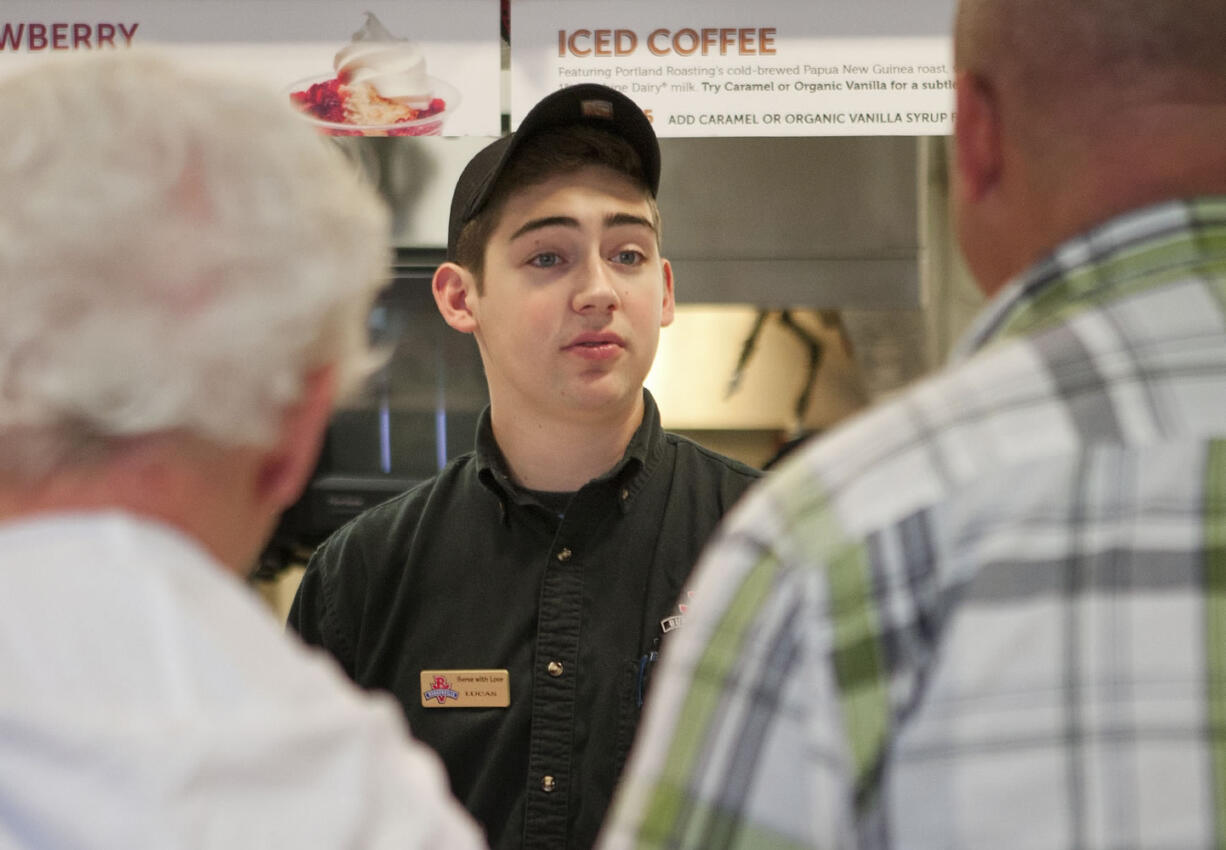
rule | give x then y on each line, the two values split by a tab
185	274
992	612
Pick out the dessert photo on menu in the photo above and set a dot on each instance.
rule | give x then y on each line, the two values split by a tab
379	86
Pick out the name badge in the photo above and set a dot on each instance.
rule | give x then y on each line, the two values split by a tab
465	688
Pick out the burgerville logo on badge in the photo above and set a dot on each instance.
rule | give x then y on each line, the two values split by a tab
441	691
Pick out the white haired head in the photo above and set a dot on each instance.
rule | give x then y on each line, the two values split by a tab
177	252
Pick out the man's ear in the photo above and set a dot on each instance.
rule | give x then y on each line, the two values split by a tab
669	308
453	287
286	467
979	156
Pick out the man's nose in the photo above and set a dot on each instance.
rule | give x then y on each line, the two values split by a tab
595	288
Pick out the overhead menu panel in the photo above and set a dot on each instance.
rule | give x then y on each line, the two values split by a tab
438	61
727	68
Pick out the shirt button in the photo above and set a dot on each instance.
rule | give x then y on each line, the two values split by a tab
554	668
625	495
548	784
564	554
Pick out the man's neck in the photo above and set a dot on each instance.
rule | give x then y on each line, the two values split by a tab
156	480
562	455
1132	160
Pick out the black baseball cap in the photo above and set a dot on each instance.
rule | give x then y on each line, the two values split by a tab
588	103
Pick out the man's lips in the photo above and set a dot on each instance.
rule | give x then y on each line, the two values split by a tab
595	346
596	340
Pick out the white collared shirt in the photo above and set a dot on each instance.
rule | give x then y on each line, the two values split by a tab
149	700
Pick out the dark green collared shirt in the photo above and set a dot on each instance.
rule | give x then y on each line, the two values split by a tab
468	571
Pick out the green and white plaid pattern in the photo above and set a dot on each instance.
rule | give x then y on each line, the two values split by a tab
990	613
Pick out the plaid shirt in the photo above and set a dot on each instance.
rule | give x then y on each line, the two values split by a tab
992	612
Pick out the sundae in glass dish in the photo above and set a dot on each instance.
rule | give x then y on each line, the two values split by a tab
380	88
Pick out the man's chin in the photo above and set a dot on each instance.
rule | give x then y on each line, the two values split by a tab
604	396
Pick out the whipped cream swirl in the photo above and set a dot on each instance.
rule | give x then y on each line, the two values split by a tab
393	66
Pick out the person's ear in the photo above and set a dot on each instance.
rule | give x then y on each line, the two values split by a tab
978	151
286	467
669	307
454	288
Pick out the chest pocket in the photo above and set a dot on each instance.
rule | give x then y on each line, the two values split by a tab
627	714
635	681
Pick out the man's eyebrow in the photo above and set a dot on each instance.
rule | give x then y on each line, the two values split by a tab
619	219
612	220
547	221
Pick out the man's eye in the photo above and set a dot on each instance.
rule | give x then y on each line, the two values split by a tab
545	260
628	257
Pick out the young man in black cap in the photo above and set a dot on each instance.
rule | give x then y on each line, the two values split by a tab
514	603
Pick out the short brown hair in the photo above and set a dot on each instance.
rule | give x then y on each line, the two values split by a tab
563	150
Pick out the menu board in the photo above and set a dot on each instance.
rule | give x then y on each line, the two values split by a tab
820	68
444	54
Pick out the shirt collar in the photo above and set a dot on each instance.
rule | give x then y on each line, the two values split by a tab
1078	273
627	476
492	468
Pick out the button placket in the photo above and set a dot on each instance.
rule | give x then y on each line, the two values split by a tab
550	754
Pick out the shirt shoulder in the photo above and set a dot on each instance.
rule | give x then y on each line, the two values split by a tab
964	425
368	558
206	684
709	461
374	534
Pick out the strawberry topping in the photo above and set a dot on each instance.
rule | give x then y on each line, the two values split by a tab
326	101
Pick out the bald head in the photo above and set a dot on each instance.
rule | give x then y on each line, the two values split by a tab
1071	112
1056	52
